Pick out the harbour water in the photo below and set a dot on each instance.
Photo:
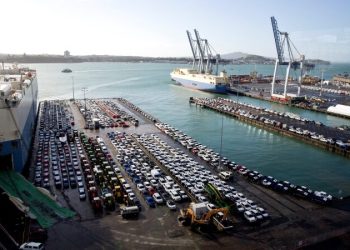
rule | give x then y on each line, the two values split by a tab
148	85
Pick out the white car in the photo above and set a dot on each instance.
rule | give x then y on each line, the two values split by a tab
140	187
127	187
154	183
82	194
201	198
176	187
171	205
262	212
240	208
157	198
211	206
249	216
147	185
167	187
32	246
132	196
257	214
174	195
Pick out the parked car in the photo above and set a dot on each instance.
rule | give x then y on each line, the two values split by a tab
150	202
82	194
174	195
171	205
32	246
140	187
158	199
249	216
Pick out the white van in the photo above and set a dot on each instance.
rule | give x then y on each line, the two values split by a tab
32	246
225	175
128	212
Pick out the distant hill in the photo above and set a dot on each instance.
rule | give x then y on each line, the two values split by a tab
245	58
24	58
230	58
318	62
233	55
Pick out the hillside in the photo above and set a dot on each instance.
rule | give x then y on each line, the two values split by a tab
244	58
23	58
233	55
234	58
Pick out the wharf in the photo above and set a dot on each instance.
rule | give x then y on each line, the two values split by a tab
262	92
293	223
301	129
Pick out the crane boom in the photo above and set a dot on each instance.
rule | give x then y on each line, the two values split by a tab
277	37
192	46
201	52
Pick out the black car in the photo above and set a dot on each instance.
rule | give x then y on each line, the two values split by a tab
57	180
37	181
138	204
65	183
72	182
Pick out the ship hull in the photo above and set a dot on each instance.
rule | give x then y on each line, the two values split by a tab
198	85
18	129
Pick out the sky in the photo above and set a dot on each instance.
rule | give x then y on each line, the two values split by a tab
318	29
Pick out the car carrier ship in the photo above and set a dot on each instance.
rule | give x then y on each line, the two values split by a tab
201	75
18	112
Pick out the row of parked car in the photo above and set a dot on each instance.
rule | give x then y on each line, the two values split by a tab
213	160
100	172
329	90
210	156
56	158
118	113
137	109
257	215
94	118
145	174
283	186
294	123
195	179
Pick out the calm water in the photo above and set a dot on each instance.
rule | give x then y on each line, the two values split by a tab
148	85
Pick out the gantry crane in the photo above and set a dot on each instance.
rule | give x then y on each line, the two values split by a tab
283	43
203	58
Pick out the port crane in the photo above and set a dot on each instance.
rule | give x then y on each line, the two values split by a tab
284	44
203	57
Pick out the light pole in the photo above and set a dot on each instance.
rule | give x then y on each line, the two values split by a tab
321	81
73	87
222	130
84	91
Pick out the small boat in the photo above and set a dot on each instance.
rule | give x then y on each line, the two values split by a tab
66	70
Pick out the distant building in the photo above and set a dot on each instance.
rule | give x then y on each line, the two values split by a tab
66	53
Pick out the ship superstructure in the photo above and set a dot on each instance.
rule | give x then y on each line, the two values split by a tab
18	111
201	76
